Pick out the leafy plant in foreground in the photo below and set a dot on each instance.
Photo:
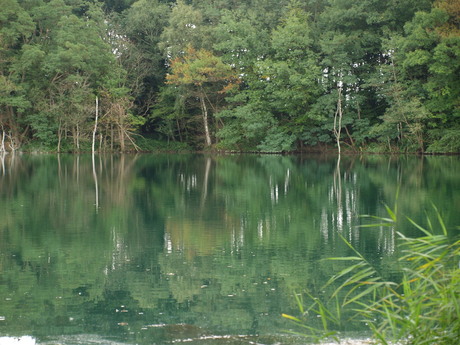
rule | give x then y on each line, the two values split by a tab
420	308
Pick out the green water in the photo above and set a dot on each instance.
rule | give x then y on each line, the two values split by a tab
162	249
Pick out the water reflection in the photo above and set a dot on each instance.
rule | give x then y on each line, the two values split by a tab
205	246
2	160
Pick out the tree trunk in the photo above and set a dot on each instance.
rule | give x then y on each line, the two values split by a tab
178	130
338	119
204	110
121	133
101	143
2	145
111	137
77	130
95	126
59	136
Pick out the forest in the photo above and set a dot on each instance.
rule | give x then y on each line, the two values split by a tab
230	76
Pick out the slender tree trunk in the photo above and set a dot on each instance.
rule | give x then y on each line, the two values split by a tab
2	146
179	131
74	138
338	119
204	110
59	136
13	136
352	142
13	144
77	129
95	127
122	138
101	143
111	137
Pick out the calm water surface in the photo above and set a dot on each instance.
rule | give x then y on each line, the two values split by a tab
163	249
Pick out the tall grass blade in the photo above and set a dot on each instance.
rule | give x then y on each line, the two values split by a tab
440	220
421	307
390	213
426	232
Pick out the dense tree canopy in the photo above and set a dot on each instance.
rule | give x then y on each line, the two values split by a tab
392	67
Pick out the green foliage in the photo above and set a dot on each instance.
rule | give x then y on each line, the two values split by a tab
244	129
11	95
252	128
420	307
405	122
154	145
281	90
15	23
199	67
276	141
168	115
429	58
45	128
201	74
140	55
445	141
397	63
185	28
53	76
240	40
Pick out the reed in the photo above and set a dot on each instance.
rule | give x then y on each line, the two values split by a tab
421	307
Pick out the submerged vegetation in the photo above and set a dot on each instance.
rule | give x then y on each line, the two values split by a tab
418	305
256	75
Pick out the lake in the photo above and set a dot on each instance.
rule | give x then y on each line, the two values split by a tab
196	249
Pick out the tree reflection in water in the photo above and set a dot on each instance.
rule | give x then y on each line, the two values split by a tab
209	246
